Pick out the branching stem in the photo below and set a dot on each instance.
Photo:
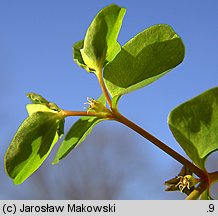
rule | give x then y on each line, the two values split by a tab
115	115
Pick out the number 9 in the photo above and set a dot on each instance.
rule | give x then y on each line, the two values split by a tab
211	207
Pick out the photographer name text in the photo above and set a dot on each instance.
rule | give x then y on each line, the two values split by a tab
60	208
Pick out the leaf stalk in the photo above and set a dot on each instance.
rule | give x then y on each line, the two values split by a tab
103	87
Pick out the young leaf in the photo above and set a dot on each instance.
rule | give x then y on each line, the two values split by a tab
36	98
194	124
40	104
144	59
77	57
39	100
31	145
100	43
75	136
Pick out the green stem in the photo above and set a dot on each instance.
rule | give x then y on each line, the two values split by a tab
120	118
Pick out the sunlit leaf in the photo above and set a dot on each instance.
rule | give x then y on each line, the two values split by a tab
100	43
194	124
33	108
31	145
144	59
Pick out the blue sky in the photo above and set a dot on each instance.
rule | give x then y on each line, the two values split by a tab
36	39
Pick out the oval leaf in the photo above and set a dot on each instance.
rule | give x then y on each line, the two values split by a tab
194	124
31	145
144	59
100	43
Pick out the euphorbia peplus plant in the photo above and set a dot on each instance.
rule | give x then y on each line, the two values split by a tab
122	69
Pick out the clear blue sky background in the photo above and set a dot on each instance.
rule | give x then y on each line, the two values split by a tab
36	39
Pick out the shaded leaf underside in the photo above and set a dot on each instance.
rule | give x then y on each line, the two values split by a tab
144	59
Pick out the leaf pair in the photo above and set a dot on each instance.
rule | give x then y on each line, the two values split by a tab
38	134
33	140
142	60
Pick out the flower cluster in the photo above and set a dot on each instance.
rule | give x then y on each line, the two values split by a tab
183	182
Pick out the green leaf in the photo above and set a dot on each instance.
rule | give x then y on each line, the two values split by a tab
39	100
100	43
31	145
33	108
78	57
194	124
75	136
36	98
144	59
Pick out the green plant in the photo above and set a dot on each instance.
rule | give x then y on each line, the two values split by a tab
145	58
